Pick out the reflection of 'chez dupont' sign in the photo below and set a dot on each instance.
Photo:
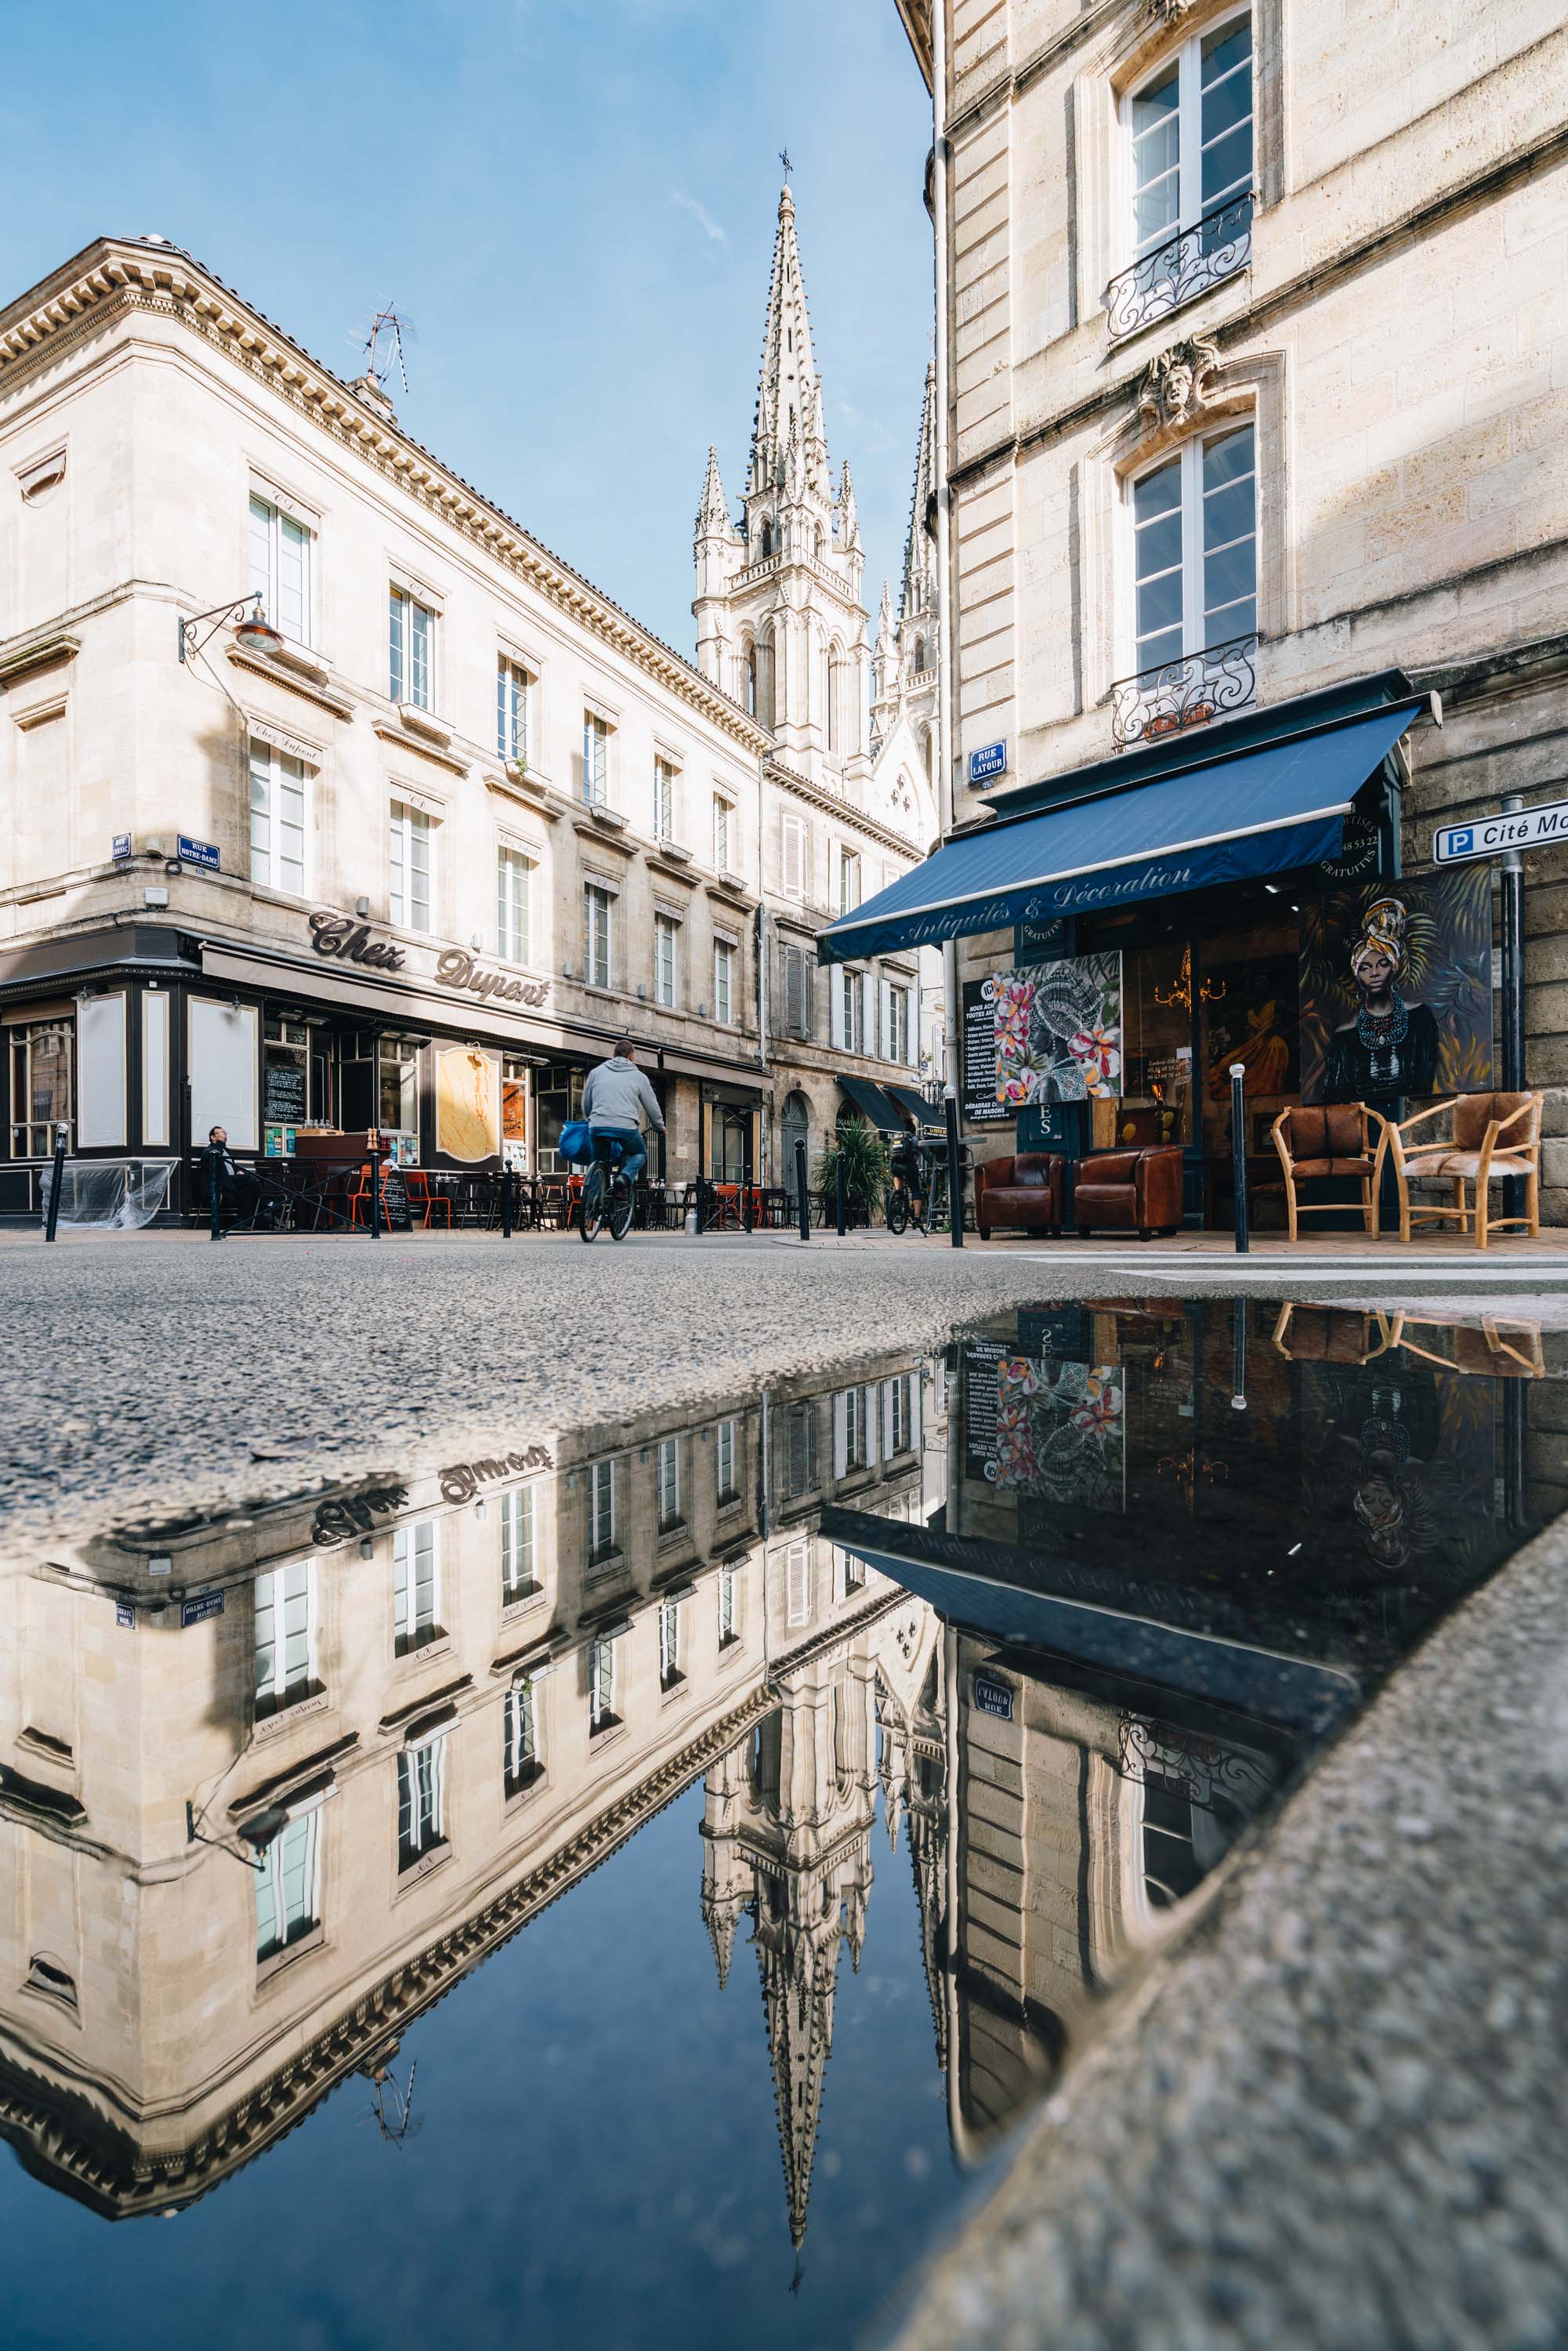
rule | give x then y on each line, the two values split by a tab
347	940
463	1481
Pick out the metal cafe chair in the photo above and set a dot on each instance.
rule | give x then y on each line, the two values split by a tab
428	1206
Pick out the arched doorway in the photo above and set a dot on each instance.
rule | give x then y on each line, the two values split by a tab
795	1125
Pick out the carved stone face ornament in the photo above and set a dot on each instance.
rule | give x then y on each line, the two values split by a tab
1177	386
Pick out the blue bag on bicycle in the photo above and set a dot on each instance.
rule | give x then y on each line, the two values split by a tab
576	1143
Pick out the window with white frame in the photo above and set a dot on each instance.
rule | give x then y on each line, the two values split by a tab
728	1606
411	646
602	1515
277	825
1195	531
595	758
722	811
41	1052
857	1452
723	980
602	1679
421	1799
849	880
847	998
669	1482
519	1739
281	567
284	1636
1190	125
895	1025
596	903
798	1583
416	1585
724	1463
514	710
513	906
411	864
832	679
792	843
664	800
898	1414
518	1580
288	1886
670	1668
664	930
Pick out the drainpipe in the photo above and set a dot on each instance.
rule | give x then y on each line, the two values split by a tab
947	632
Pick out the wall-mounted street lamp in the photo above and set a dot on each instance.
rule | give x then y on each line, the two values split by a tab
254	633
260	1830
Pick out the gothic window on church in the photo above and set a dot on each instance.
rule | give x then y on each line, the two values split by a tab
833	679
595	760
750	694
513	691
412	650
1195	528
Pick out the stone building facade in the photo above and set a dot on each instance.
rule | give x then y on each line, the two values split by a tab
419	857
1297	272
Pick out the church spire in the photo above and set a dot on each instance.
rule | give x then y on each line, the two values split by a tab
789	394
917	596
849	513
712	515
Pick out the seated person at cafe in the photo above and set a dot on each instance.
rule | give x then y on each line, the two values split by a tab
615	1095
237	1188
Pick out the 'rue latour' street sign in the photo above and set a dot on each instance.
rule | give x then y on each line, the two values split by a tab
1488	836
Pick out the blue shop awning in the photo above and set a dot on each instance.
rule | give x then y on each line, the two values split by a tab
873	1103
1260	811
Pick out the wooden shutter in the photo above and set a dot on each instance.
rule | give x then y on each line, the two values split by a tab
794	857
795	991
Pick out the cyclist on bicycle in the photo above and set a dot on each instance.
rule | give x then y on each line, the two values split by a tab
616	1093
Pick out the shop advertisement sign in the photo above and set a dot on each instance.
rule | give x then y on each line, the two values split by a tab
1358	851
1058	1030
980	1360
1060	1433
981	1107
1396	989
395	1212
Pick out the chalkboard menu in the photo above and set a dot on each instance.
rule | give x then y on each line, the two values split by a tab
981	1107
283	1090
395	1213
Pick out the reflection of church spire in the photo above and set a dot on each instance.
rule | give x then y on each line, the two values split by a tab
926	1803
799	1979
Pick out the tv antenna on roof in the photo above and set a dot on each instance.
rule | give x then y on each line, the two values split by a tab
399	330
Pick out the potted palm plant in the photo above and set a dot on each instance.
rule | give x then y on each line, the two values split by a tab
864	1155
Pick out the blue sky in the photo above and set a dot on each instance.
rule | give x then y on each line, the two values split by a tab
573	200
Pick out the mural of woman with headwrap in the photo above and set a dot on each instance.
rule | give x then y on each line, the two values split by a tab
1390	1048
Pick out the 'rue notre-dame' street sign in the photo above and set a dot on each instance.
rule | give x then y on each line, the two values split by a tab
1490	836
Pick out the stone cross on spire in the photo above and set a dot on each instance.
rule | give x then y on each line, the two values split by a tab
788	395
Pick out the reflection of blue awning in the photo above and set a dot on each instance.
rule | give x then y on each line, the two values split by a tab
1258	811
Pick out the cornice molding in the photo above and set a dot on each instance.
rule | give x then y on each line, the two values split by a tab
391	732
112	280
294	681
50	650
845	810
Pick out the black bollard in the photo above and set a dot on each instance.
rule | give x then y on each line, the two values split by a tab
839	1216
505	1203
803	1198
955	1174
375	1187
746	1217
215	1192
1239	1355
1238	1151
53	1218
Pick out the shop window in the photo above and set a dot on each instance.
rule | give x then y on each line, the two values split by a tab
277	826
1189	132
287	1886
664	931
289	1075
731	1145
397	1091
557	1097
284	1636
514	1110
521	1764
412	867
664	800
595	760
421	1801
411	645
514	709
416	1586
281	567
513	906
1156	1104
596	906
723	980
1196	537
41	1055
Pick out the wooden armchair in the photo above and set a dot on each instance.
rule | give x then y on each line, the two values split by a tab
1335	1139
1495	1136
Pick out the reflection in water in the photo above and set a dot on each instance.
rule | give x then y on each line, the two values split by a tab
1069	1606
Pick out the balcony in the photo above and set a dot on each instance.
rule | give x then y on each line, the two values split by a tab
1187	691
1186	265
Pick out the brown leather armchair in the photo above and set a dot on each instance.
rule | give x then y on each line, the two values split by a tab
1024	1191
1130	1191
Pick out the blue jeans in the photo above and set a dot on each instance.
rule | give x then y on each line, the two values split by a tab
634	1156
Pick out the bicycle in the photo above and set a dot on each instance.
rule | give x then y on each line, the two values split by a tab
607	1194
906	1203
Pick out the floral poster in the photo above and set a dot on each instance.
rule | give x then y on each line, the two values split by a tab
1060	1433
1058	1030
1397	989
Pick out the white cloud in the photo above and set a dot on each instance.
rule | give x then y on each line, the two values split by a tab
701	214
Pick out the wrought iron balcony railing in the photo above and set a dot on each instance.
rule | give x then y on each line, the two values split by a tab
1215	248
1187	691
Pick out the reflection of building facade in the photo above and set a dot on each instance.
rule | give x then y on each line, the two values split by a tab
442	1701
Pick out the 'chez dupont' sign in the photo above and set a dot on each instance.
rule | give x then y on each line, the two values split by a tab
344	939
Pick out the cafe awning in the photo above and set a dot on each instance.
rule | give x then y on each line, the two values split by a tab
910	1100
1259	808
871	1102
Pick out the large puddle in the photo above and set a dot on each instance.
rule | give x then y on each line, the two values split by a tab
624	1890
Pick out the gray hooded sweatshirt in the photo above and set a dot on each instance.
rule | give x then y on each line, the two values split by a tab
617	1093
